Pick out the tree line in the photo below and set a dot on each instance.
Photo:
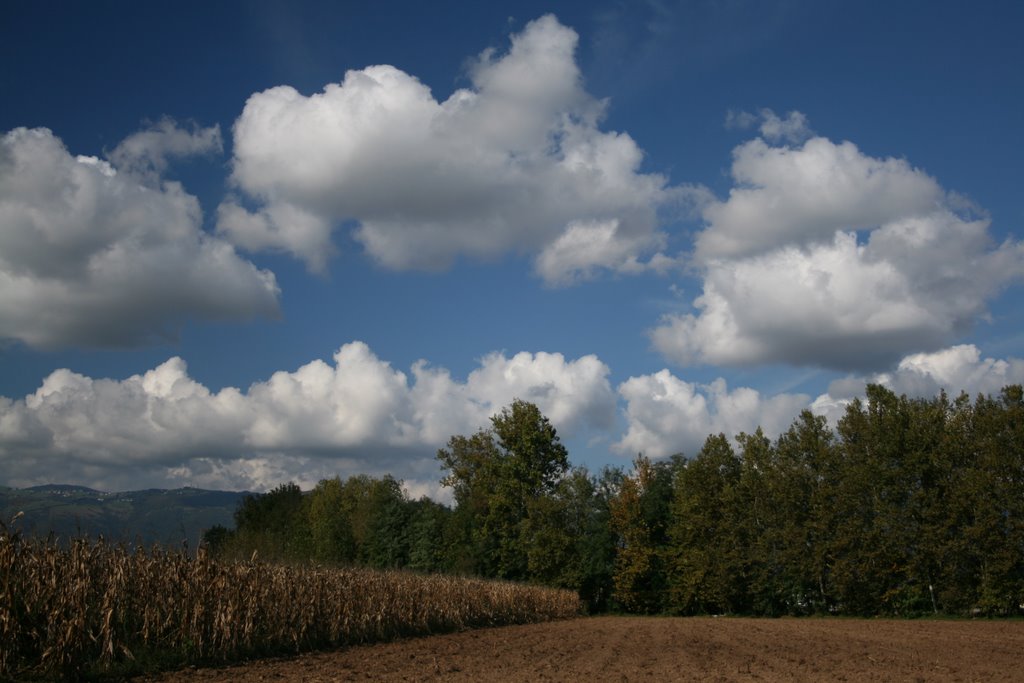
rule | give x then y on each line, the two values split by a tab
908	507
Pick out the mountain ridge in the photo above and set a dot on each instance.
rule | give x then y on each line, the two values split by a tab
167	517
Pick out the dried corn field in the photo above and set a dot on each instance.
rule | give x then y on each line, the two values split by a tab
94	608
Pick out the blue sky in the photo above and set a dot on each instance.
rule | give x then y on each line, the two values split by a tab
246	243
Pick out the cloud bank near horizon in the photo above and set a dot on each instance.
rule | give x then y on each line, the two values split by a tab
357	414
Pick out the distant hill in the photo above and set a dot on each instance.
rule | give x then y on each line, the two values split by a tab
167	517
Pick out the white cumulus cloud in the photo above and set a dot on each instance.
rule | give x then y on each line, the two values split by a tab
586	247
667	415
824	256
355	414
90	256
954	369
514	163
805	194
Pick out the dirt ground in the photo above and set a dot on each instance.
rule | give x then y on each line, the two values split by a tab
668	649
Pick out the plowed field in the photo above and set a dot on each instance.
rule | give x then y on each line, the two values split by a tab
666	649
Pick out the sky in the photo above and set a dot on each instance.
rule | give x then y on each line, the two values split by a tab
245	243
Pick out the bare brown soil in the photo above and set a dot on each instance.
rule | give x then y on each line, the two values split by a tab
668	649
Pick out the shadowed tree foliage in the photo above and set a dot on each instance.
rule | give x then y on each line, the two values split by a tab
768	525
273	525
913	506
707	546
330	524
801	478
639	516
432	538
598	545
994	483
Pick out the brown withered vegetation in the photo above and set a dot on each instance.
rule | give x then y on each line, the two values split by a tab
95	608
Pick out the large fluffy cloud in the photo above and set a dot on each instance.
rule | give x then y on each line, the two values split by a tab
93	256
516	162
825	256
357	414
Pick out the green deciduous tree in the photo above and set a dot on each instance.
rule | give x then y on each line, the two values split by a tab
330	526
639	516
806	462
499	477
431	537
274	525
598	544
707	547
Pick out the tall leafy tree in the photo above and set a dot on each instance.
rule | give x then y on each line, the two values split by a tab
927	477
888	474
806	476
533	453
473	475
864	554
706	545
498	477
550	531
329	523
639	515
273	525
954	584
762	493
431	541
598	543
384	513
